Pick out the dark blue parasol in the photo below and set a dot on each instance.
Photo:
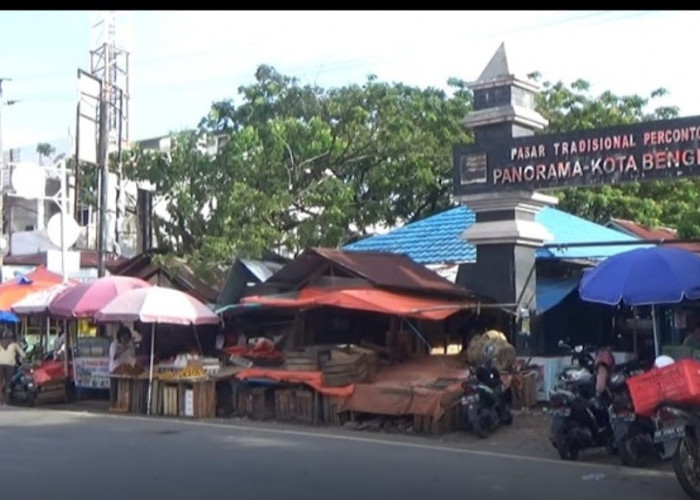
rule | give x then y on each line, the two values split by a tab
644	276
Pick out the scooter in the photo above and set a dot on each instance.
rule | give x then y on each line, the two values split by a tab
679	434
578	411
22	388
633	434
485	401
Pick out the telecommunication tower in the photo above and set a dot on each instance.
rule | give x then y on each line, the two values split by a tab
109	63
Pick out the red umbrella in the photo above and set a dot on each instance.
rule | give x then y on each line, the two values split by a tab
85	299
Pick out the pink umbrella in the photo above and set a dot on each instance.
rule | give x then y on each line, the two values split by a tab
156	305
85	299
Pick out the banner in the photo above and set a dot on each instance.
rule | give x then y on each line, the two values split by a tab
91	373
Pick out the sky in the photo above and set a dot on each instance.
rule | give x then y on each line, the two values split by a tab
183	61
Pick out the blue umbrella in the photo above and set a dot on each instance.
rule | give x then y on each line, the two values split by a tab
644	276
8	317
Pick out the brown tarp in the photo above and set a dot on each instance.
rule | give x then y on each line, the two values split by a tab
423	386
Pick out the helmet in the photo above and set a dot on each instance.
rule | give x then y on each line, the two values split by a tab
663	360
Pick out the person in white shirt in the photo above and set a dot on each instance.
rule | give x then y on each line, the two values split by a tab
9	351
122	350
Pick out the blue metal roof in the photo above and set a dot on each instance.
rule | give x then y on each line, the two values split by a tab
437	239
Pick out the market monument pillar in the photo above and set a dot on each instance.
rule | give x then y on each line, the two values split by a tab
505	232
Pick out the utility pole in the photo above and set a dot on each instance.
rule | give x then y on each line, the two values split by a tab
4	241
104	179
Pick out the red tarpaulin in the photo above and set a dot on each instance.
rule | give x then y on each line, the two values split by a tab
365	299
312	379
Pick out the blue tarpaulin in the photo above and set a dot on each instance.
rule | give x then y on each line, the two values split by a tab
551	291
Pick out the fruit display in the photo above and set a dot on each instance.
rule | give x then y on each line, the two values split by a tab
193	371
168	375
134	371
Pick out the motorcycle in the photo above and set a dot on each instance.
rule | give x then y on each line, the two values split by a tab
679	433
633	434
578	410
684	434
485	402
22	387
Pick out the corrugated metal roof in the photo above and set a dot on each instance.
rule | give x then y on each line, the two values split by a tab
382	269
649	233
438	239
261	269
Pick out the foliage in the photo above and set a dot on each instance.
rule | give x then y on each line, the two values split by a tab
655	203
291	166
301	166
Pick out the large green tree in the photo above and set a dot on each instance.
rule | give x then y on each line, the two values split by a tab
290	166
299	165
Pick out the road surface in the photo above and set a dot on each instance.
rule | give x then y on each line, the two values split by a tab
72	456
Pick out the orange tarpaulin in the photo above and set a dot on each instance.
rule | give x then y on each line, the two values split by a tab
13	291
313	379
366	299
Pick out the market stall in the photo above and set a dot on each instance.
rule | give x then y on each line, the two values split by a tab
183	385
87	346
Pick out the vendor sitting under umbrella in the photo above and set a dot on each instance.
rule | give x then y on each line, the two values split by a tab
121	352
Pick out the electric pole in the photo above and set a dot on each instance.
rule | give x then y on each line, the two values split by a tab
102	163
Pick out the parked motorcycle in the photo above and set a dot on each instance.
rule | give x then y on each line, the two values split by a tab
22	388
679	434
633	434
684	431
578	404
485	402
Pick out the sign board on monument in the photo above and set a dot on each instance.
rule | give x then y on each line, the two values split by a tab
664	149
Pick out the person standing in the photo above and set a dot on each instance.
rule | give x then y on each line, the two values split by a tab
10	350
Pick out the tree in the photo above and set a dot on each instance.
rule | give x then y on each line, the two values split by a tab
45	151
656	203
301	166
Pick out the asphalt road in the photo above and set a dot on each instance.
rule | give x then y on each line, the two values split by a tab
65	455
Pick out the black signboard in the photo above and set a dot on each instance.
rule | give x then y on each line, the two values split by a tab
664	149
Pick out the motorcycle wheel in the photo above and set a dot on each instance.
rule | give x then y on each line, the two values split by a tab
687	467
631	453
566	449
481	426
507	416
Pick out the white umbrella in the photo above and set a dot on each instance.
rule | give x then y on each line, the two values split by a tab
38	302
156	305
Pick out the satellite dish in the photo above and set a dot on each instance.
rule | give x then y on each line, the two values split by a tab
53	229
28	180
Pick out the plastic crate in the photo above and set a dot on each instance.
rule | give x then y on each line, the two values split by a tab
677	383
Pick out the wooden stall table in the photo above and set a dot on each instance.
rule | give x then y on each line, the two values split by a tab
132	393
184	397
197	397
